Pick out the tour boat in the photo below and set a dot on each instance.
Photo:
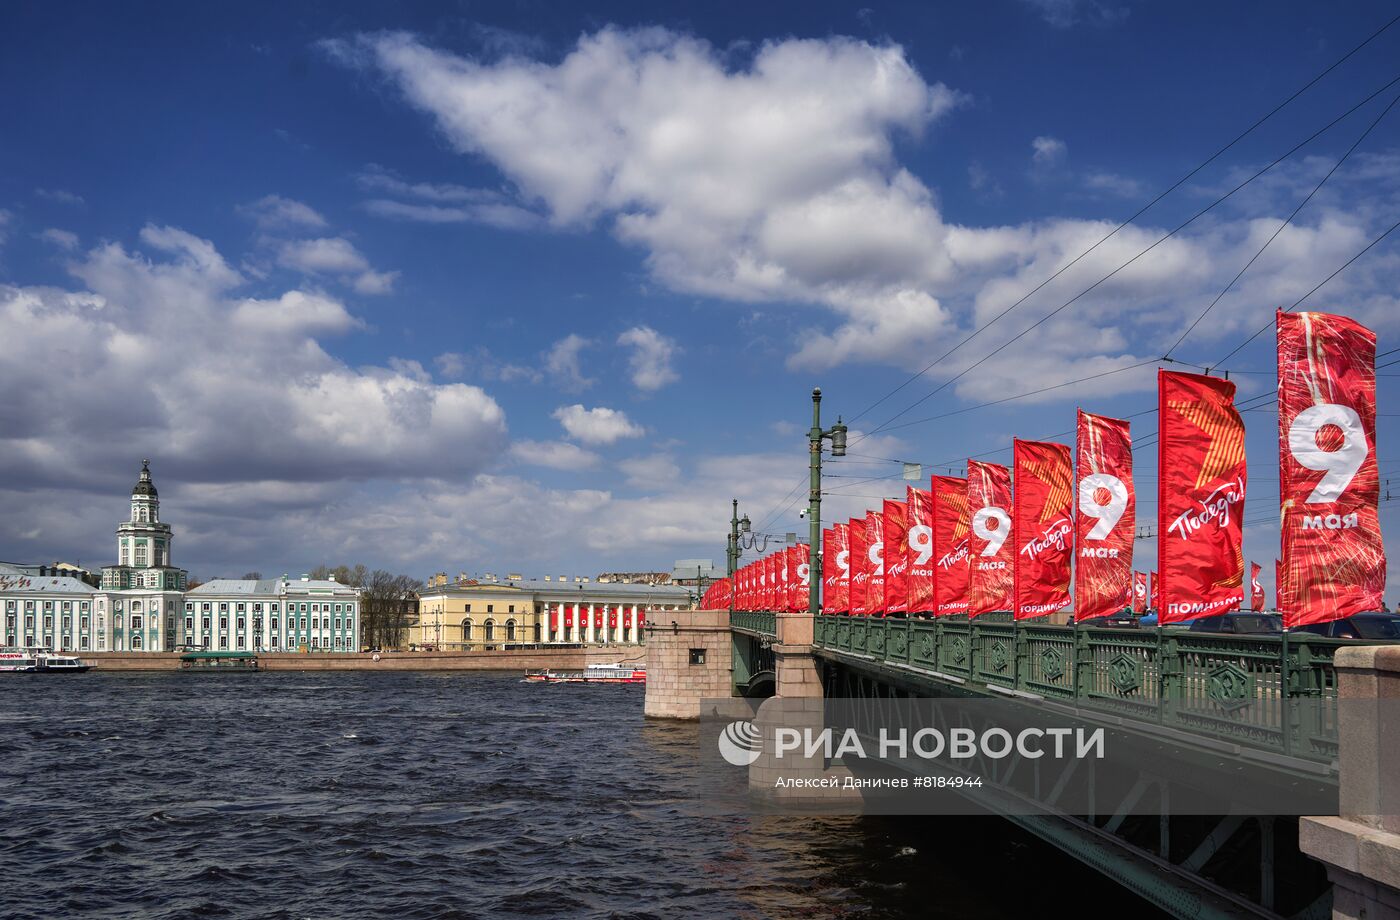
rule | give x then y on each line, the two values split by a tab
593	674
18	659
40	661
49	663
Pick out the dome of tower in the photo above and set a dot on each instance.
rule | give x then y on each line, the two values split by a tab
144	486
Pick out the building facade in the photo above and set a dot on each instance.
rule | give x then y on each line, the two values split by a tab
142	603
135	609
272	614
543	612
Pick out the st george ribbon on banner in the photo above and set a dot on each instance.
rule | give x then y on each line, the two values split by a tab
875	551
1041	527
896	536
1106	504
1329	486
859	558
1201	479
950	547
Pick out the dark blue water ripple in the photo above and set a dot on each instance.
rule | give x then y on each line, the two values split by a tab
284	795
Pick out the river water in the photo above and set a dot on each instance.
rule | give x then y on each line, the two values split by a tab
349	795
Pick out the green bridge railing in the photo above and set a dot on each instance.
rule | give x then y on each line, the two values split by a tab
759	622
1275	692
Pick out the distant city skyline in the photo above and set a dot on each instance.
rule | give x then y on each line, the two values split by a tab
548	287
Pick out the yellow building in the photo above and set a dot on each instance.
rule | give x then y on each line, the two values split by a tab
496	614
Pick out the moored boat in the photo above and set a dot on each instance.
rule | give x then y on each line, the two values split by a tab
593	674
40	661
220	662
18	660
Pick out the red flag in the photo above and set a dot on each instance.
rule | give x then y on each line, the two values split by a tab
836	596
569	610
1278	585
875	550
784	581
597	619
919	555
989	545
801	577
896	528
1333	555
612	617
859	560
1152	592
1256	588
1041	527
1139	592
950	530
1201	479
1107	513
793	585
772	588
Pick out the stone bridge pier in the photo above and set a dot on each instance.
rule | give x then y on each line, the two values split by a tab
1361	847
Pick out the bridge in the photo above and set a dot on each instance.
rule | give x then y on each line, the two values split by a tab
1205	705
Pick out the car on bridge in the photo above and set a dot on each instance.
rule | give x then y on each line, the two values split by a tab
1239	623
1377	625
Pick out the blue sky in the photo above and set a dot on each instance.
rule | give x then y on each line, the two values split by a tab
529	287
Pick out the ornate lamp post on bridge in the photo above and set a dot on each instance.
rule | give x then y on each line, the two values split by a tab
737	525
837	434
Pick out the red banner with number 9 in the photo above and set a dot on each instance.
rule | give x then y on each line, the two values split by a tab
1333	554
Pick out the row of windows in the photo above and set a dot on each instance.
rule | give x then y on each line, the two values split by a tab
272	608
316	623
339	643
48	605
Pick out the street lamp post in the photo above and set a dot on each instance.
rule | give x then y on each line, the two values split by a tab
737	525
837	434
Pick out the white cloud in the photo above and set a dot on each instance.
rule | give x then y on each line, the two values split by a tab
652	356
1048	151
442	203
555	455
1113	184
275	212
160	354
775	180
62	196
653	472
599	425
335	256
563	364
63	239
482	365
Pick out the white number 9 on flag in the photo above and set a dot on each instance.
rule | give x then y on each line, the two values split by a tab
1341	464
994	537
1108	513
921	538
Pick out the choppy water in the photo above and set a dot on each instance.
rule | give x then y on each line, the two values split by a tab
424	795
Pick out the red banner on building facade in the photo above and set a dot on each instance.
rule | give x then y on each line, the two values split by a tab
990	549
896	555
1201	480
950	544
1106	505
1333	555
875	553
919	555
1041	527
859	559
